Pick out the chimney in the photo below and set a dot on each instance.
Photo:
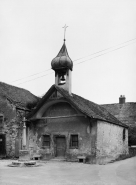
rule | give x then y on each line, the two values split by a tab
122	99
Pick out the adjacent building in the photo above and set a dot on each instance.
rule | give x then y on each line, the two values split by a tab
126	113
15	103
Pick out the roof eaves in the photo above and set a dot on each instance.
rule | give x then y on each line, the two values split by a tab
41	102
72	102
116	122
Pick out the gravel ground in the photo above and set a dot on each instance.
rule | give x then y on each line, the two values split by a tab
67	173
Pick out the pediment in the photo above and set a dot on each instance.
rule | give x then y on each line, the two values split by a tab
53	100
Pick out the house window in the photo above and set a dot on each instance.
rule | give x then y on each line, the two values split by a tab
1	120
124	134
46	141
74	141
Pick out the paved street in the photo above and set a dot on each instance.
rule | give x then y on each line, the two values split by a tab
67	173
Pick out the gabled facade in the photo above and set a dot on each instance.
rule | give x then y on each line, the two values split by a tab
68	126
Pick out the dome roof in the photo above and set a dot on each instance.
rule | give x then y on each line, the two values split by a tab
62	60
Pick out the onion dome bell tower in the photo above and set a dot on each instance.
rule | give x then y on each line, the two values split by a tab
63	65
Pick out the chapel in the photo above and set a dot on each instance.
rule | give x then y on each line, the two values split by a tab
67	126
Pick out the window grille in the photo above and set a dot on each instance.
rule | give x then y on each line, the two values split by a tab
74	141
46	140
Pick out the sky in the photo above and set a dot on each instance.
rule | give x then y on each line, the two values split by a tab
100	39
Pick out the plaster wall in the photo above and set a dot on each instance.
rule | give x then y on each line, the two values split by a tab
126	113
110	143
63	126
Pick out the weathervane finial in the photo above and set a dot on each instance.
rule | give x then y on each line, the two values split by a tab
65	27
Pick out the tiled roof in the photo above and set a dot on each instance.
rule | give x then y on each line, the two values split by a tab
125	112
87	107
90	108
18	96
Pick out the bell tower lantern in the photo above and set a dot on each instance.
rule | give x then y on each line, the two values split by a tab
63	65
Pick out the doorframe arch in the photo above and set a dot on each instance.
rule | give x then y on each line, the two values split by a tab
42	110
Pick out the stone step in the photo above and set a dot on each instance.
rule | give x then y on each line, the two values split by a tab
23	163
58	159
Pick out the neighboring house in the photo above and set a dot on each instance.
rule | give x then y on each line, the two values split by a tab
15	103
68	126
126	113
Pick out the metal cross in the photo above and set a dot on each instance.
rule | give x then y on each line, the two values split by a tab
65	27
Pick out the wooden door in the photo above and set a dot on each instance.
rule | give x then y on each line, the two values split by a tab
60	146
2	145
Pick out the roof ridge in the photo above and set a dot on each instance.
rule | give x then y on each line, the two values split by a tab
3	83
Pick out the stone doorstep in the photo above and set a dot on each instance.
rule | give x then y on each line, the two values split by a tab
24	162
81	157
58	159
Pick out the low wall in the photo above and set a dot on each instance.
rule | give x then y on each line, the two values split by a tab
132	151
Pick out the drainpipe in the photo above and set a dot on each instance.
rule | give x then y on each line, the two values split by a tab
24	133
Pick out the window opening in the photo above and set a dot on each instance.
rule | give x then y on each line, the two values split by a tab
46	140
74	141
1	120
124	135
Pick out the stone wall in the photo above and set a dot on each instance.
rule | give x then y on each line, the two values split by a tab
11	127
110	142
13	133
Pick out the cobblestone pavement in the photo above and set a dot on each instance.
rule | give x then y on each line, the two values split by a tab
67	173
